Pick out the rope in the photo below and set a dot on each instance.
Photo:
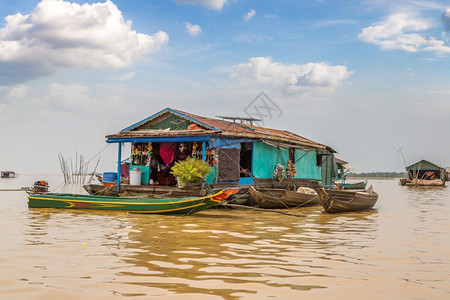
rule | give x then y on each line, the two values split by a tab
303	204
256	180
268	191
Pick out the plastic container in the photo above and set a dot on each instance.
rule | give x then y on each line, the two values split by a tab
109	179
135	177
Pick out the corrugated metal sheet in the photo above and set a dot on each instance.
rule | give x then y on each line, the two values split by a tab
161	133
423	165
216	123
217	127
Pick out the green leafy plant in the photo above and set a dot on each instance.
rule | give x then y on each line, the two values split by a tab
190	171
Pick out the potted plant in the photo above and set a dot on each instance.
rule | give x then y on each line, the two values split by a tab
190	172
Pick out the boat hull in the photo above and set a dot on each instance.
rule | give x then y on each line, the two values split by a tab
281	198
354	186
423	182
185	205
341	201
8	174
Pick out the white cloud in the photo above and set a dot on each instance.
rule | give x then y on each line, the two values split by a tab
445	18
13	92
293	77
249	15
334	22
126	76
65	97
18	91
212	4
69	101
8	94
440	92
193	29
403	31
59	34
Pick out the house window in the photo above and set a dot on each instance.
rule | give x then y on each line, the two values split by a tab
319	159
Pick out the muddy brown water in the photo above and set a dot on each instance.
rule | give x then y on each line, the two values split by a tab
399	250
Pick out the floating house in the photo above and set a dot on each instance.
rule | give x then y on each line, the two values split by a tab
238	152
424	173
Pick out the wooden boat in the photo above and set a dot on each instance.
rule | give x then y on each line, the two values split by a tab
347	200
354	186
184	205
8	174
282	198
422	182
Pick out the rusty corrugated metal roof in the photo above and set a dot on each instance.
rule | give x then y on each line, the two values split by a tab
340	161
216	123
220	128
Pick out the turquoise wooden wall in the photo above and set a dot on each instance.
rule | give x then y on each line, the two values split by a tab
328	170
145	178
265	158
307	165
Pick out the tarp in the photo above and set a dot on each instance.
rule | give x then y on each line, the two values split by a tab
348	167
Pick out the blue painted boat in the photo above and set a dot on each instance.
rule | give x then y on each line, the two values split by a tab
354	186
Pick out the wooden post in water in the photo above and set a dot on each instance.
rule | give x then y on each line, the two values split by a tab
119	160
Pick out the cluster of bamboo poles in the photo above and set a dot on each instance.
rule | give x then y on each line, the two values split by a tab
76	173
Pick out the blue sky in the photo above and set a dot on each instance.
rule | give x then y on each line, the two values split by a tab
364	77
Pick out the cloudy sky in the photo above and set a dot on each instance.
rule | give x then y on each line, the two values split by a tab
364	77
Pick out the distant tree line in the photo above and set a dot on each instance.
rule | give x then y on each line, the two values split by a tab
378	174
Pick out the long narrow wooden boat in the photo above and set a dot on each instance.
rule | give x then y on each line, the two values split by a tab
347	200
184	205
282	198
354	186
422	182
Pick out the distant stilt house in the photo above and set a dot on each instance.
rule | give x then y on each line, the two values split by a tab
424	173
238	153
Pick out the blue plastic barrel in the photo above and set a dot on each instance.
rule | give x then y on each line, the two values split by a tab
110	177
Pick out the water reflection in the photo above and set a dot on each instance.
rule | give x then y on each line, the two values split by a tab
401	247
243	253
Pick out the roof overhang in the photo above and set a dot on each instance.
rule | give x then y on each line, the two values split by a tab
292	143
161	136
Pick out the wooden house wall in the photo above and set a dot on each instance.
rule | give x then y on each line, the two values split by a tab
169	122
265	158
328	171
145	176
307	165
